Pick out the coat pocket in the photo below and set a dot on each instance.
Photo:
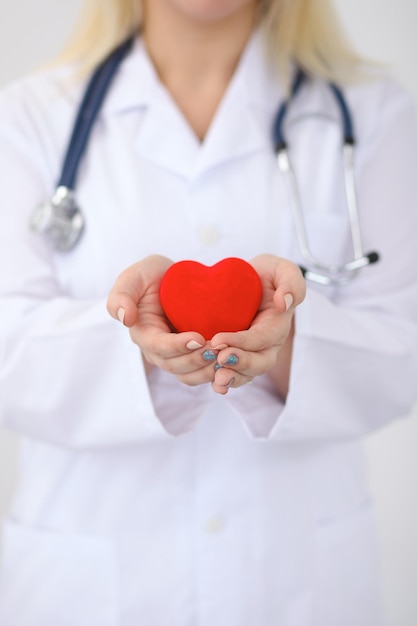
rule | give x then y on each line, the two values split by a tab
56	579
347	580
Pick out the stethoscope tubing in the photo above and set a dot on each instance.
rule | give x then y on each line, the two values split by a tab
319	272
89	108
62	220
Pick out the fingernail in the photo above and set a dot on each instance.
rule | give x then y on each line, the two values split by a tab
208	355
230	383
193	345
217	367
288	299
121	315
222	346
231	360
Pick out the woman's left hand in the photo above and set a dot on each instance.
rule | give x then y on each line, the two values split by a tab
246	354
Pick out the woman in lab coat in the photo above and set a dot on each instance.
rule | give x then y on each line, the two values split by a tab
153	488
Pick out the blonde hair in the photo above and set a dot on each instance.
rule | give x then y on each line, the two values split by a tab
305	31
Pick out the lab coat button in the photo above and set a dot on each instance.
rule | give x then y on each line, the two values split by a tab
214	525
209	235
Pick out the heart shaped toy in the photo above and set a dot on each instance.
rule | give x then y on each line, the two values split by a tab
210	299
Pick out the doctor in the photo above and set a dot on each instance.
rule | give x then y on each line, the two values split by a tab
154	487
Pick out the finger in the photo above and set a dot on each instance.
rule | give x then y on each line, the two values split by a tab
178	360
201	376
182	363
183	366
284	278
131	286
168	345
248	364
268	329
226	379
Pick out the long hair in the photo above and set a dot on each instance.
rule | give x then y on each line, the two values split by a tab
306	32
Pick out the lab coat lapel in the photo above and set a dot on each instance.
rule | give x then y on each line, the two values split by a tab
164	136
233	134
238	129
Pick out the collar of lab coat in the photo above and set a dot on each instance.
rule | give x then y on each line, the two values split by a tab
165	137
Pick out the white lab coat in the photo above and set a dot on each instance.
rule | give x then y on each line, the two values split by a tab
148	502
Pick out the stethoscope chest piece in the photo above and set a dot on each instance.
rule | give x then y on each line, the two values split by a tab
59	219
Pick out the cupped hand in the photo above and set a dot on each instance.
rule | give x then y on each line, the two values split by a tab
134	300
265	345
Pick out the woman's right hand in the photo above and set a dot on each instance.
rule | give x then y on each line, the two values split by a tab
134	300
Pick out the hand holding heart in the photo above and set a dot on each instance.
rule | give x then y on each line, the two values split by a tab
134	299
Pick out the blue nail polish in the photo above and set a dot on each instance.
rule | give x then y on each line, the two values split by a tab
217	367
231	360
208	355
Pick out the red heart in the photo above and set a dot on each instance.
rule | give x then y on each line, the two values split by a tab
221	298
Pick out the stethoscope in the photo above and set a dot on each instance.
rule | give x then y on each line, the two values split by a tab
61	221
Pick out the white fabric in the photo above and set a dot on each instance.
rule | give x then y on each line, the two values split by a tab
148	502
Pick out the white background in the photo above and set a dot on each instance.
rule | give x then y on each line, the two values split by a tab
31	31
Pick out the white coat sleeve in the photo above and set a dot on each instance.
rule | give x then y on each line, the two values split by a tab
69	374
354	366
